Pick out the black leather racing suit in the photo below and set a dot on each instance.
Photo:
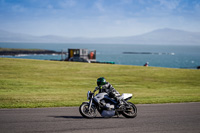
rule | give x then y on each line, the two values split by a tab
109	89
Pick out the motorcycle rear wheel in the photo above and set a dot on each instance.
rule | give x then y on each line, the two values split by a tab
130	112
84	110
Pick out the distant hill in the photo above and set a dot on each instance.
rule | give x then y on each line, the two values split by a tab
167	36
160	36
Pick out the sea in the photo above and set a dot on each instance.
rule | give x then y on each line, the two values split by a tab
169	56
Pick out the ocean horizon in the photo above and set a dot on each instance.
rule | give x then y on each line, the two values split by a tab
169	56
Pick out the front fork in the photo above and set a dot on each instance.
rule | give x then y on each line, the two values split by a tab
124	101
90	104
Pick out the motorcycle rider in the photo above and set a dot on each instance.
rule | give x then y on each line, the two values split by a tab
104	86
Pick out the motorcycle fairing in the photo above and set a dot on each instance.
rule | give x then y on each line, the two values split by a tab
126	96
101	96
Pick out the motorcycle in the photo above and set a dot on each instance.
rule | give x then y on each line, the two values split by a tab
107	107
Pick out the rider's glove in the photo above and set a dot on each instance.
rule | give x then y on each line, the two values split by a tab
96	89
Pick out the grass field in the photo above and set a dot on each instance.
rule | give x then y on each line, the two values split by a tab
37	83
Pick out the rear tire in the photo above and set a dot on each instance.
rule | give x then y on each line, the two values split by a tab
84	110
131	111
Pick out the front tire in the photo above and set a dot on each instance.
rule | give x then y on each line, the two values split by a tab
131	111
84	110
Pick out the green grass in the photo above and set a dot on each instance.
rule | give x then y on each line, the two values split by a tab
37	83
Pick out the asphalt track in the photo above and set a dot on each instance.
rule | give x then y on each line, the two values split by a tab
152	118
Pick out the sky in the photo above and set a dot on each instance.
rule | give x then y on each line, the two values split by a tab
98	18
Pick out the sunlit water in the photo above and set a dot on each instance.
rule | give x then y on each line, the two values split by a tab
172	56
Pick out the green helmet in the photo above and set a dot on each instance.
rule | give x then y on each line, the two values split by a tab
101	81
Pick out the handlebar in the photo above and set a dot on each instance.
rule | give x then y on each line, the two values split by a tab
96	88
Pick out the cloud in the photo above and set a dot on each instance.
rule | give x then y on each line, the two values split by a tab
169	4
18	8
67	3
197	7
98	17
126	1
99	6
49	6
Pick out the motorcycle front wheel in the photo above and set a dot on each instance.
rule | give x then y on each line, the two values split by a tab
130	111
85	112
